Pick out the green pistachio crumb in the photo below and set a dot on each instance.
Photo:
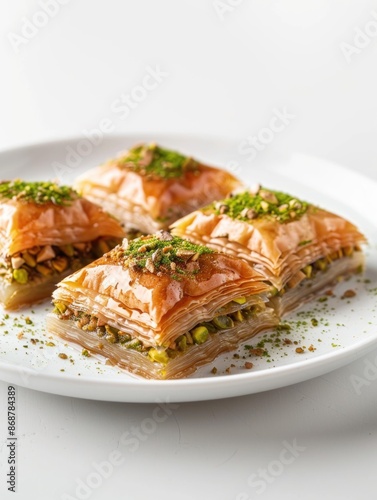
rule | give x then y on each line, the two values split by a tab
154	161
305	242
265	203
162	253
37	192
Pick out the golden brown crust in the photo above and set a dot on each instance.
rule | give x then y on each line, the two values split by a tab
25	225
157	294
164	200
279	250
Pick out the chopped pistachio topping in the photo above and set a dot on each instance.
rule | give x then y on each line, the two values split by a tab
153	161
248	206
163	252
37	192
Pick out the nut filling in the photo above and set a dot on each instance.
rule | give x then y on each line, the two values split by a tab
44	261
240	312
310	271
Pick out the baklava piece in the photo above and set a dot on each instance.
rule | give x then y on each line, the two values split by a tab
47	232
160	306
149	187
299	248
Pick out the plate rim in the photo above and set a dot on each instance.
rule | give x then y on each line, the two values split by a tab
328	362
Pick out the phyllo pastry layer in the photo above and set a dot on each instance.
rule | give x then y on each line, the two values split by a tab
298	247
47	232
160	306
149	187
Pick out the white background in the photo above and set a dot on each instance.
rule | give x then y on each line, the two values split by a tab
227	66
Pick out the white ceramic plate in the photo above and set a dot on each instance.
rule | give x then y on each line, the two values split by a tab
346	329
